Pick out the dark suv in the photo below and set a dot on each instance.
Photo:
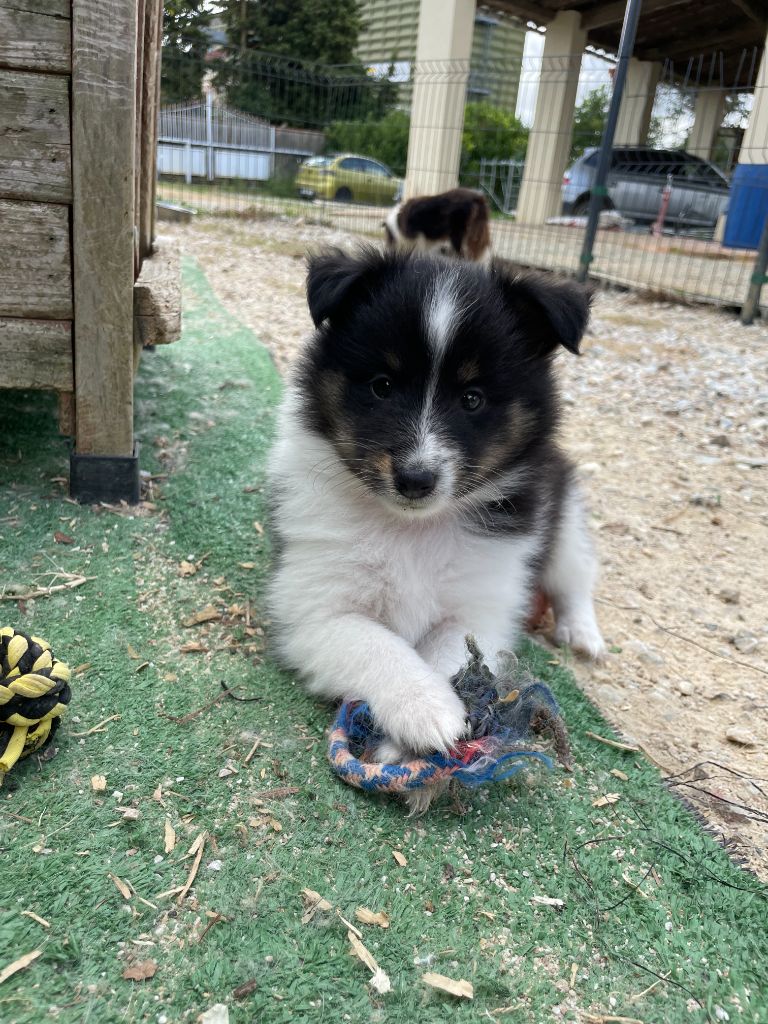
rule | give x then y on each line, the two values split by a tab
637	178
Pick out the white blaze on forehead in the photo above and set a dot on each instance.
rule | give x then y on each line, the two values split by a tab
442	313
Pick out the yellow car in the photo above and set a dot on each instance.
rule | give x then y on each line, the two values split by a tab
348	178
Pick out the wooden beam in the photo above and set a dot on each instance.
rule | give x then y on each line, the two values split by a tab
35	34
35	268
613	13
524	10
755	11
34	137
36	354
696	46
149	111
103	145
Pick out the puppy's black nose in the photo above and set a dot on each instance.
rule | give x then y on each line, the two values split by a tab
415	483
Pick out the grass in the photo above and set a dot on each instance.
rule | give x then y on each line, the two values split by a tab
646	894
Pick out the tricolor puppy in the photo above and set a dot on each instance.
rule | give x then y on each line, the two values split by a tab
419	492
454	223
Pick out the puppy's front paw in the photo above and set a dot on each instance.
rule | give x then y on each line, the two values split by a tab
425	717
581	634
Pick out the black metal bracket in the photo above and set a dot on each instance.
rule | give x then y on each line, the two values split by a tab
109	478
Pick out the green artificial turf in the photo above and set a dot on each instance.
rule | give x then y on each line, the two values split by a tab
646	895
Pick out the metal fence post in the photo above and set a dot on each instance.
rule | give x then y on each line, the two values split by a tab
757	280
599	190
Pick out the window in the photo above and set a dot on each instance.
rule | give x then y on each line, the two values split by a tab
317	161
352	163
371	167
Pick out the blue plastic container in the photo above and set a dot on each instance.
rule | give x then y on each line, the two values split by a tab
747	206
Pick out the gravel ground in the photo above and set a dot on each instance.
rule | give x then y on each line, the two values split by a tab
666	415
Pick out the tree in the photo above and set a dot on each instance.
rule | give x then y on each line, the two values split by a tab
490	133
293	61
185	42
589	121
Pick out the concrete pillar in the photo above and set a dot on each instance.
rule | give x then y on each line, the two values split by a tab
637	103
754	148
549	142
707	118
443	49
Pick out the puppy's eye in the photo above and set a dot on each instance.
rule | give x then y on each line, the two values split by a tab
472	399
381	386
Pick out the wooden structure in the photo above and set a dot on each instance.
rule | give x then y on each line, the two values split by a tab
79	92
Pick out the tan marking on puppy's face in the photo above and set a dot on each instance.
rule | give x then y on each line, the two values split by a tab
468	371
520	424
382	463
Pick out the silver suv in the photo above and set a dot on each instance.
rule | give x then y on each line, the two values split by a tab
636	180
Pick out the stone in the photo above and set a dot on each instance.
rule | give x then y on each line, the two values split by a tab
741	737
745	641
685	686
729	596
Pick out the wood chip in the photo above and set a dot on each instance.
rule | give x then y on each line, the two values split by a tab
36	917
125	892
193	648
258	528
200	844
607	800
158	794
141	971
247	565
170	836
548	901
186	568
377	917
463	989
98	783
400	858
613	743
379	980
129	813
19	965
99	727
619	774
63	538
207	614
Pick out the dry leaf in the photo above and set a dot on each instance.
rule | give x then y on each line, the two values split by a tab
199	846
314	902
380	980
158	794
19	965
619	774
366	916
218	1014
193	648
400	858
605	801
133	653
140	971
63	538
275	824
170	836
247	565
36	917
125	892
129	813
186	568
98	783
463	989
245	989
207	614
258	528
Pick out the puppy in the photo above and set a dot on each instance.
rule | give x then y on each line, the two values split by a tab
418	490
453	223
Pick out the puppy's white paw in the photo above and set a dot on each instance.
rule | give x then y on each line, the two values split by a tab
581	634
425	717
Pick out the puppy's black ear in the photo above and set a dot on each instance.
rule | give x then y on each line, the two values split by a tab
336	278
553	311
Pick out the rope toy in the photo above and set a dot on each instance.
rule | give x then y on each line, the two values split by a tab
501	719
34	694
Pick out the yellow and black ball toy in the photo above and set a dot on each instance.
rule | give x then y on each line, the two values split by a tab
34	694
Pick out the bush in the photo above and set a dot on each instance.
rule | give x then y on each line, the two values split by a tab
490	133
385	139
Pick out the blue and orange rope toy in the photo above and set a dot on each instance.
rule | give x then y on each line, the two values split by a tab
500	725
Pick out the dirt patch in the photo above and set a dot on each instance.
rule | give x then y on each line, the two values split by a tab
666	415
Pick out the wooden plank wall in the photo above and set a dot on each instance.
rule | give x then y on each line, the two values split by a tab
35	194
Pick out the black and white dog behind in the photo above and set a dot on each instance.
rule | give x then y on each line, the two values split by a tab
454	223
418	490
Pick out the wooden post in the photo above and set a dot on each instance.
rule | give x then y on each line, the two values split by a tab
153	39
103	161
